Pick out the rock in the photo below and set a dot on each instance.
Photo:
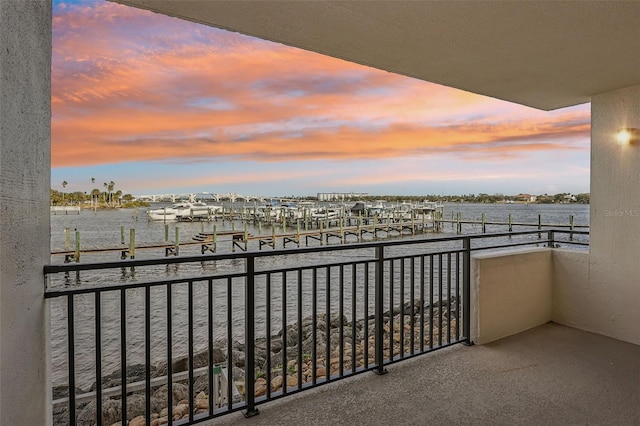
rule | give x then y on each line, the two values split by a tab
201	384
61	415
202	403
238	374
276	344
159	421
180	410
135	373
200	359
111	413
292	335
276	383
138	421
237	358
160	400
292	381
237	346
63	392
136	406
260	387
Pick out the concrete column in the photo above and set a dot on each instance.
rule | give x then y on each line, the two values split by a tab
613	294
25	123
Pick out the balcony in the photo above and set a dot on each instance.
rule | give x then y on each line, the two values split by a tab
551	374
327	314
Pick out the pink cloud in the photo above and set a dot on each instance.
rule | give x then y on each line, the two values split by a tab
129	85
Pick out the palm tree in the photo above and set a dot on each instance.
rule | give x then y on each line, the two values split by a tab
64	185
95	195
109	187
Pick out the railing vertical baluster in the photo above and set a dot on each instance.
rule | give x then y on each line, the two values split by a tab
268	326
457	296
299	329
379	311
422	284
412	294
98	326
71	360
169	355
353	318
190	351
327	320
550	237
341	324
365	305
213	399
147	353
448	297
229	344
466	276
431	295
284	333
402	308
314	328
391	310
440	278
250	339
123	352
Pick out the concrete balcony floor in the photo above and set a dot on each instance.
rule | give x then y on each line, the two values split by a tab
549	375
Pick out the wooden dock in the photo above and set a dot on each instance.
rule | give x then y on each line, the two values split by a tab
327	232
335	234
458	222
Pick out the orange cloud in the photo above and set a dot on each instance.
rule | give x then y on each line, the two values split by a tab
129	85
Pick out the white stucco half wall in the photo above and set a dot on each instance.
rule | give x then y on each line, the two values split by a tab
510	292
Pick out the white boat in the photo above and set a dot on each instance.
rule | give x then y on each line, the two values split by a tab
184	211
326	213
428	210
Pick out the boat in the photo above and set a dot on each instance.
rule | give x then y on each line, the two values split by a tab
428	210
325	213
185	210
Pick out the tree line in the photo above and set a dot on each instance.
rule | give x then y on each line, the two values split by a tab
107	197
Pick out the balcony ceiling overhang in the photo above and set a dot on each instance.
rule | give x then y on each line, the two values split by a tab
546	55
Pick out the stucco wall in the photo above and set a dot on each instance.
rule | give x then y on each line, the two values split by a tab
510	292
614	268
572	304
25	114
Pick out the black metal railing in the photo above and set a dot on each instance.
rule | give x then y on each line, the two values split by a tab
193	338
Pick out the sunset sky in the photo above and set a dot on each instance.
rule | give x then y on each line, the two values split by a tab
161	105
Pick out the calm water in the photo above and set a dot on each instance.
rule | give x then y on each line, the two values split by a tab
104	228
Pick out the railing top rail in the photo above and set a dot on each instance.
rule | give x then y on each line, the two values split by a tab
51	269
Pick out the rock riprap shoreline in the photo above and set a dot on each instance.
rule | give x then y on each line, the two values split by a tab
279	374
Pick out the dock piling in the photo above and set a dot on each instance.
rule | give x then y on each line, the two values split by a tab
132	243
77	254
67	237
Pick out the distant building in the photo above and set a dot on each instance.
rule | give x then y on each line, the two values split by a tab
526	198
340	196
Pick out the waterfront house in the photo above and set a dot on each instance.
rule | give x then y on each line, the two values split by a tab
546	55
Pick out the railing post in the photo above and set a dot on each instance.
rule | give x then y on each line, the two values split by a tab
250	332
379	311
550	238
466	283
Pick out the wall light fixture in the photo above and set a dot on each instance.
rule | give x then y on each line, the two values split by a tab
628	136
